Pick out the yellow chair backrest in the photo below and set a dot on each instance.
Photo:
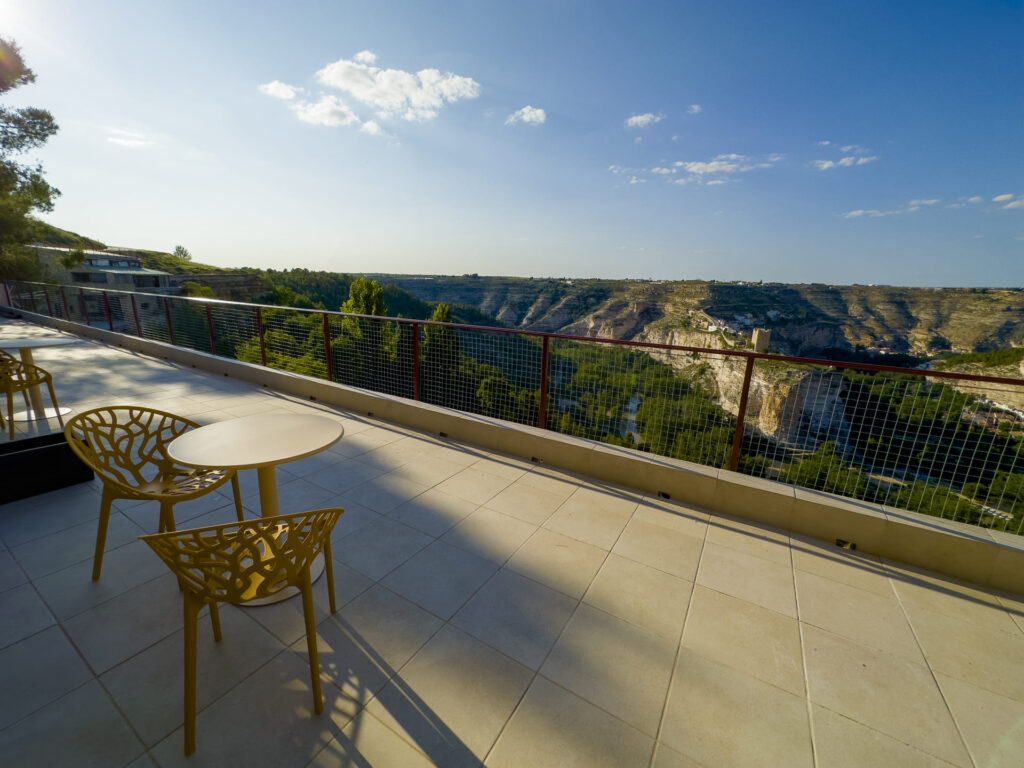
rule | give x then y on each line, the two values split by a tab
125	444
238	562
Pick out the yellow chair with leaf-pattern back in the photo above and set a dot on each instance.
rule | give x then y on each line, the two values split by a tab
239	562
17	376
126	446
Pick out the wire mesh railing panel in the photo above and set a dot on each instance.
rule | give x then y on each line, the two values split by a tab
952	449
235	331
293	341
371	353
189	324
479	371
153	313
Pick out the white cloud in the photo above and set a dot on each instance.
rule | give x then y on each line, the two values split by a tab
1002	198
976	199
724	164
824	143
642	121
528	114
372	127
715	182
417	97
617	169
638	140
329	111
279	90
862	160
846	162
873	213
130	139
824	165
637	180
694	109
1018	203
930	201
663	171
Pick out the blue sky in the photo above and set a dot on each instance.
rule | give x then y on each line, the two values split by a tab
672	140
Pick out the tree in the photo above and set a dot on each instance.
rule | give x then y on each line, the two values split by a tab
181	252
22	187
71	259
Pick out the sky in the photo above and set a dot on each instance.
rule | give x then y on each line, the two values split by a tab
837	142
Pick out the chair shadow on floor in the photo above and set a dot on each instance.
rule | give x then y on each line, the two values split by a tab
424	727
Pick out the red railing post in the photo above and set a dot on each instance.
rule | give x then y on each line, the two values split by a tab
64	303
415	360
170	323
135	311
327	348
49	304
209	326
542	406
106	309
85	307
737	438
263	341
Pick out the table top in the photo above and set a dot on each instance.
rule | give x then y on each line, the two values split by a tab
30	342
260	440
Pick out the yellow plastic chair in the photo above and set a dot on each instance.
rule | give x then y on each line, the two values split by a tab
127	447
16	376
239	562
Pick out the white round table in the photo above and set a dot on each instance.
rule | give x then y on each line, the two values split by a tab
259	442
25	345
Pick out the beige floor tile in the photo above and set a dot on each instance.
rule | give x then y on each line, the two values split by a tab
428	470
72	545
366	741
380	547
115	630
558	561
873	688
971	652
519	617
363	645
245	647
666	757
509	467
11	574
551	480
267	720
751	538
719	716
490	535
854	568
647	597
22	614
474	485
868	618
453	698
663	548
593	517
433	512
523	501
27	519
673	515
82	729
615	665
992	725
844	743
385	492
345	474
748	577
746	637
552	728
440	578
36	671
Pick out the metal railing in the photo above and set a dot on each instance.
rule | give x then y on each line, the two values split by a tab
937	442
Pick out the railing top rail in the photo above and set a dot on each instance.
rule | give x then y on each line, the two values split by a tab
738	353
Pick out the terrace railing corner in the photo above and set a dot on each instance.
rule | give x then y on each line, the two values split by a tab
939	442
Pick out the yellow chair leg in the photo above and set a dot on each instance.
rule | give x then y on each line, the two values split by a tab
215	621
237	490
166	516
10	412
101	532
192	606
56	405
329	567
309	613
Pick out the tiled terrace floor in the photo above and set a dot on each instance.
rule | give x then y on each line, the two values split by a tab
491	611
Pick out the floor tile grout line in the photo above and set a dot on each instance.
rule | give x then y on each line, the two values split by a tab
815	752
931	672
679	647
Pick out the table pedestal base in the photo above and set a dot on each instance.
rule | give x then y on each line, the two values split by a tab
50	413
315	571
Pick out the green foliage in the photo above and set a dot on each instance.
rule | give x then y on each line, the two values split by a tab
826	470
181	252
71	259
48	234
23	190
984	359
365	297
192	288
